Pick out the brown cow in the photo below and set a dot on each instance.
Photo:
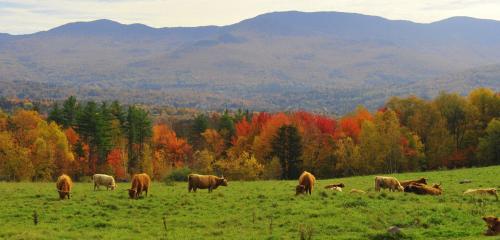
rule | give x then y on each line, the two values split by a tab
423	189
338	185
211	182
408	182
64	185
140	183
306	183
493	226
387	182
482	191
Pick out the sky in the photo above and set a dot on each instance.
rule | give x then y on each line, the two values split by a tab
28	16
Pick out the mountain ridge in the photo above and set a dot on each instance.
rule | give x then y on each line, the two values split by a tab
324	60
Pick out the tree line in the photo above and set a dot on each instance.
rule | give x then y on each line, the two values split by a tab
407	134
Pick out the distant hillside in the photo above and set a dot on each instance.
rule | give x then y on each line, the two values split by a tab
318	61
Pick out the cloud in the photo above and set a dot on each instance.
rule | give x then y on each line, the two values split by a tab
34	15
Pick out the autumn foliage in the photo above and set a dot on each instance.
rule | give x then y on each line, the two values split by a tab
406	134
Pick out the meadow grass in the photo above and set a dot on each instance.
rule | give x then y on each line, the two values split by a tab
251	210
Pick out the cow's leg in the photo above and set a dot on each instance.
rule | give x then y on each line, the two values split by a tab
146	190
95	186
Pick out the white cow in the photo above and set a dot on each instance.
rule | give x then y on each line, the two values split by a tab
105	180
387	182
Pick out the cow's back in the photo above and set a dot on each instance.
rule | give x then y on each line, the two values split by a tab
200	181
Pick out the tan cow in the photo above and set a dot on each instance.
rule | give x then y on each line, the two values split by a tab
306	183
387	182
418	181
140	183
338	185
357	191
493	226
104	180
423	189
482	191
64	185
211	182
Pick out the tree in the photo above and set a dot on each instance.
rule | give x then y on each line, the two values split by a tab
240	167
287	146
138	129
14	160
348	157
489	145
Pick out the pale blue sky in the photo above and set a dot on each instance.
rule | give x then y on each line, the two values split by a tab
27	16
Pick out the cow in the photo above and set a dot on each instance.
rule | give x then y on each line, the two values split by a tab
209	182
105	180
140	183
493	224
306	183
483	191
423	189
64	185
339	185
387	182
337	189
357	191
408	182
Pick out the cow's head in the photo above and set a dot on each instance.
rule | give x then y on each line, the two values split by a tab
423	181
341	185
490	220
437	186
299	189
132	193
63	194
113	186
222	181
400	188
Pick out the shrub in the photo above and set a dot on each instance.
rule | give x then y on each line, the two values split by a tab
179	174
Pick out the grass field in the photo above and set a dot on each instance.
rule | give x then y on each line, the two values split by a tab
251	210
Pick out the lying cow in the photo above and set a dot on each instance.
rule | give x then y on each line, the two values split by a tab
209	182
483	191
387	182
423	189
418	181
104	180
357	191
140	183
493	226
64	185
338	185
306	183
337	189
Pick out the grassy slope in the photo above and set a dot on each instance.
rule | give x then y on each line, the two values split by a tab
228	212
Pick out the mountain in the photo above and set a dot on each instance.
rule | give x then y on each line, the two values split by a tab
283	60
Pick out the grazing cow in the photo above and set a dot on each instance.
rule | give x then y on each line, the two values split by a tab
105	180
408	182
211	182
493	224
387	182
64	185
140	183
357	191
483	191
306	183
423	189
339	185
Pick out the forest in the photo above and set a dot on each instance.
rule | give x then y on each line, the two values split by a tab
81	138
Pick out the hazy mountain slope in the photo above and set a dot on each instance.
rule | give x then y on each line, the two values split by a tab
323	60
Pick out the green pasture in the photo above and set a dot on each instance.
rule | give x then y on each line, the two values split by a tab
251	210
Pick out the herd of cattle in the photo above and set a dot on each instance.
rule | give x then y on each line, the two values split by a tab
141	183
